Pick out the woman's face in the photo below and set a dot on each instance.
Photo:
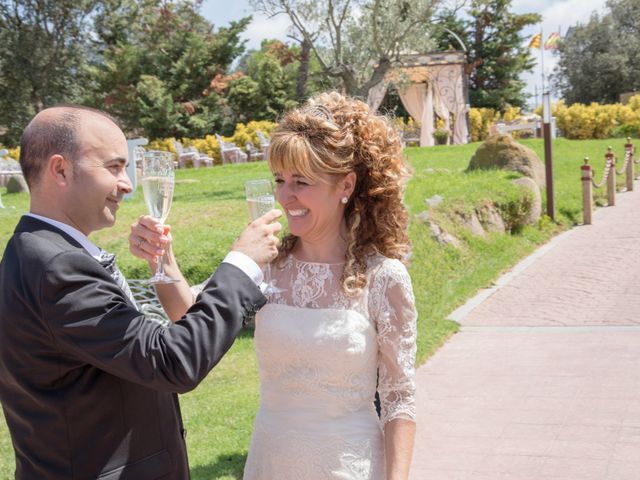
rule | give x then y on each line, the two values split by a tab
313	207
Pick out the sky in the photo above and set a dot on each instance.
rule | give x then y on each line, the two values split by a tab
556	14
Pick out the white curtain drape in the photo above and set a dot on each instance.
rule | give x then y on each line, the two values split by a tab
418	101
442	111
449	91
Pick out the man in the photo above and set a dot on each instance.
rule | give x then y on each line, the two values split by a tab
88	386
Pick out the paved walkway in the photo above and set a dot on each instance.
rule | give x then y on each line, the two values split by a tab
543	380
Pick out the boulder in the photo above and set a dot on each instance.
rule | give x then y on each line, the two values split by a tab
434	201
17	184
535	208
490	218
442	237
473	224
501	151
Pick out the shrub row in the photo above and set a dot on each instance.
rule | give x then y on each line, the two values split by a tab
577	122
596	121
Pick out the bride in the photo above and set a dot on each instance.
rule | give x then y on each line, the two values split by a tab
343	325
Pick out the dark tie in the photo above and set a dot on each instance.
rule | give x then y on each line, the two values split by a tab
108	261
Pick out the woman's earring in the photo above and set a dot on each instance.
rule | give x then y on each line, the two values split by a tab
344	200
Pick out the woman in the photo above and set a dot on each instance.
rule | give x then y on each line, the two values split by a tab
346	319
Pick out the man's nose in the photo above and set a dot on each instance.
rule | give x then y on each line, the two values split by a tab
124	182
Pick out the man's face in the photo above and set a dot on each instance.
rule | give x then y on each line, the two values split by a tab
99	179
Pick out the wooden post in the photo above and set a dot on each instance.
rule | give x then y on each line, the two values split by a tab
587	192
611	179
548	156
631	176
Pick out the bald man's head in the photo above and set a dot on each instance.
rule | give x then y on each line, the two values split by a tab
52	131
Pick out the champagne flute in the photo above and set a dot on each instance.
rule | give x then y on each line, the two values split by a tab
261	199
157	186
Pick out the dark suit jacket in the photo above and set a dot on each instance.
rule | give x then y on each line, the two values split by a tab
88	386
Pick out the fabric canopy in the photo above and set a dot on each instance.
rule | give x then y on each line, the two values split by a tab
418	101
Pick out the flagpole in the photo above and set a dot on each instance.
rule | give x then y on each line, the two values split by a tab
542	58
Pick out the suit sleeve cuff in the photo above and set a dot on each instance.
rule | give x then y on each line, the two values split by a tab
246	264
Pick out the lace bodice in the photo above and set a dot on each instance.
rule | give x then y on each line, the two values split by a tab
386	305
320	354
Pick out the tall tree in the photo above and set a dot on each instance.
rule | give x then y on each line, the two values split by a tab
601	59
356	41
43	50
267	82
497	54
157	75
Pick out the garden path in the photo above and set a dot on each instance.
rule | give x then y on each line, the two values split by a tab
542	380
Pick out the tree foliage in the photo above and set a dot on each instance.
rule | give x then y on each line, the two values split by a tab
157	75
497	55
266	82
43	49
150	63
356	41
601	59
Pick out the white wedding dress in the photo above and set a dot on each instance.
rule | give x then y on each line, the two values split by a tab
319	356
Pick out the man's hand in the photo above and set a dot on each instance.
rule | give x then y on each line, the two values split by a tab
258	241
148	239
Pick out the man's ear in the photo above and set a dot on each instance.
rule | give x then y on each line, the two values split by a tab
59	169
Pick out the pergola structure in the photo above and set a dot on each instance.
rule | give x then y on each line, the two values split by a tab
431	84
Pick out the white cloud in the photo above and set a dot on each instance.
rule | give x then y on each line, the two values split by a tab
568	13
222	12
262	28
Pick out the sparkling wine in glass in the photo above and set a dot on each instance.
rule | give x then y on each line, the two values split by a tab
157	186
261	199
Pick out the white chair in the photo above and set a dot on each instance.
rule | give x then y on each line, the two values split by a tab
8	168
410	135
264	143
191	155
253	153
135	148
229	152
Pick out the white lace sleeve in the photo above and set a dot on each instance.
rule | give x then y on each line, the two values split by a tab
394	309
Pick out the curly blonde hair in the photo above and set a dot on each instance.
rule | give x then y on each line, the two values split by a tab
335	134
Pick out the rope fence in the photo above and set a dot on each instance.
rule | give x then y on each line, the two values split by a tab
609	176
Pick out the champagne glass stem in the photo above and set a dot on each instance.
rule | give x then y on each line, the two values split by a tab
159	266
267	274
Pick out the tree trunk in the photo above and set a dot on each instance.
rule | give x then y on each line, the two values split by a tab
377	76
303	71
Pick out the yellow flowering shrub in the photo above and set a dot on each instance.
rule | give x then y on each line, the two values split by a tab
480	119
595	120
511	114
14	153
162	144
634	103
247	133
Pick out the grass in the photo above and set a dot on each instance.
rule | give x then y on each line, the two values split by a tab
209	211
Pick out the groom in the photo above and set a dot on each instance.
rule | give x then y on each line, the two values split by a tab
87	384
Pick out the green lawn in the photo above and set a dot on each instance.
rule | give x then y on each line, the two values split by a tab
209	211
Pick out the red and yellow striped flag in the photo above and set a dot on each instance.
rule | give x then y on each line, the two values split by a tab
535	41
552	41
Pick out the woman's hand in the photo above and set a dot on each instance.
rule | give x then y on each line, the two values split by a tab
148	239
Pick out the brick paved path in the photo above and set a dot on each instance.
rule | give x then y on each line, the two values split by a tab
543	380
